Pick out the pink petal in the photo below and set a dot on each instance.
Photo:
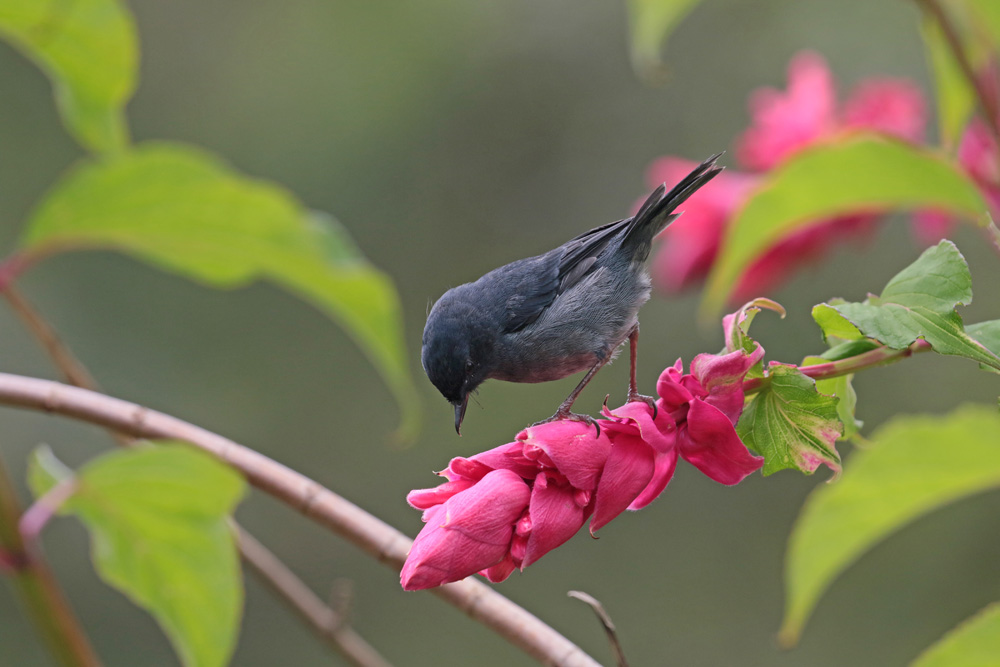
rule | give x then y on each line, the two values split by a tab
574	449
670	389
663	470
500	571
555	517
627	472
508	457
892	106
423	499
470	532
709	442
784	122
930	226
722	377
659	433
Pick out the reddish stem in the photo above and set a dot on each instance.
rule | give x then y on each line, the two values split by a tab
878	357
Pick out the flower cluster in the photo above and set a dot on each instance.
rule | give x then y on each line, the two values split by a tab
505	508
783	123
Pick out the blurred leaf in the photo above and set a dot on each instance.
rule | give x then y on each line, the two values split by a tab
791	425
651	22
987	16
185	211
955	97
45	470
856	172
919	302
158	520
915	464
975	643
88	48
843	389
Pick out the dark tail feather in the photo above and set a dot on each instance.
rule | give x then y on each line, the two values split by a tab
655	213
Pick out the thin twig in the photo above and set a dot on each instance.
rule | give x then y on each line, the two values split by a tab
606	623
987	103
268	567
367	532
38	589
328	624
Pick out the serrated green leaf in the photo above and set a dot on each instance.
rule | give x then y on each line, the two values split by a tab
833	324
851	173
975	643
843	388
157	517
791	425
914	464
650	22
88	49
183	210
955	97
919	302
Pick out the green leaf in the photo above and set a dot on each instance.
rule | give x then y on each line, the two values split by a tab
975	643
955	97
854	172
183	210
986	334
914	464
158	520
651	22
918	303
88	48
987	16
791	425
843	389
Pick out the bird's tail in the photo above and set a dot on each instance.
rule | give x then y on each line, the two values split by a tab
655	214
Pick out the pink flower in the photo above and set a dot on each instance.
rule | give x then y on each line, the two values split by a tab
784	122
505	508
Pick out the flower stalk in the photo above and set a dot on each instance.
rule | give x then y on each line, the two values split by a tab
880	356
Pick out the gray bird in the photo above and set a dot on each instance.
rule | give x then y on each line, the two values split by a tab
546	317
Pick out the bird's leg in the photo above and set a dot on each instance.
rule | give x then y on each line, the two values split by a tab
633	389
563	413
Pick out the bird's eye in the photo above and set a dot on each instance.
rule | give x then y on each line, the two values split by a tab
469	365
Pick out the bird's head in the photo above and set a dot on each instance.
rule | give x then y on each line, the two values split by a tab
456	353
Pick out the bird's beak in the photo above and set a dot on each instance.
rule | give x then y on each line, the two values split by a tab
460	413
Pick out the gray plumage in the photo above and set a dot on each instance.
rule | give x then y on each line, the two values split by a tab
546	317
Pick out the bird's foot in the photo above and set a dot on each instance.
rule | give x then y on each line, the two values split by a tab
566	415
634	396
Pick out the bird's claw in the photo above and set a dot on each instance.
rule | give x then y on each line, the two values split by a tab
634	396
566	415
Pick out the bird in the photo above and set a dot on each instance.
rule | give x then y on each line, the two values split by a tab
547	317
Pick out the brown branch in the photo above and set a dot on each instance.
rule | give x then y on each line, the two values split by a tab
329	625
266	565
987	103
372	535
38	589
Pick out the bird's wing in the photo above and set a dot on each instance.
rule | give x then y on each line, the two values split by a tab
541	279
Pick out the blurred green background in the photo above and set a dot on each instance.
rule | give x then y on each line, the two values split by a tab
450	137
